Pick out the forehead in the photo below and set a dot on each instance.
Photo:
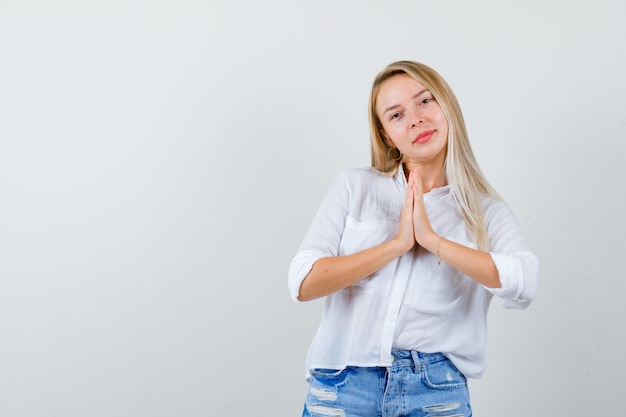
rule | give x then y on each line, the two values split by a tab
396	89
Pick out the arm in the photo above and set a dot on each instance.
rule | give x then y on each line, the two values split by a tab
333	273
509	270
324	275
474	263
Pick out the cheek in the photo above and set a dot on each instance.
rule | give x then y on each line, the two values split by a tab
442	122
398	138
444	126
392	131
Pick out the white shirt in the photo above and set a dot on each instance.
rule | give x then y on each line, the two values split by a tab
412	303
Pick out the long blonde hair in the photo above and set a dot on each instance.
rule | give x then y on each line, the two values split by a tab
464	176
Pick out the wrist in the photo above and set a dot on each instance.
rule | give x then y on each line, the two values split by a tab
439	239
432	243
401	246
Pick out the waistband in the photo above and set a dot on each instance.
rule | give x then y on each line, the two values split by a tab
415	358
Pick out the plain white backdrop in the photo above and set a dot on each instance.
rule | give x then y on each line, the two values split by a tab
161	160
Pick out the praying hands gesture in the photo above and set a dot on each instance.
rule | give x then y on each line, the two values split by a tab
414	223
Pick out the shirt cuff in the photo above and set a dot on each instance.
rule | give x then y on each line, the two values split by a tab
518	276
298	270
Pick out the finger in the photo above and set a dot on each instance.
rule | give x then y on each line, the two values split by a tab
409	201
406	232
417	180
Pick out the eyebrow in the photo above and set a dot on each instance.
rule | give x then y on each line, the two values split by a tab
392	107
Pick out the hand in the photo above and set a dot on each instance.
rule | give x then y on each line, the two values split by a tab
405	235
422	229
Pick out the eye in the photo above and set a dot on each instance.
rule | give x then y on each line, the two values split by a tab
426	99
395	116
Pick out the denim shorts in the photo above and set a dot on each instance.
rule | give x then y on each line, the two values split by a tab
415	385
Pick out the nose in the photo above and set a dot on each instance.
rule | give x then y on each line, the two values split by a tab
416	119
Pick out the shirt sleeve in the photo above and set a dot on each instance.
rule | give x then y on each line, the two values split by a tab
517	266
324	234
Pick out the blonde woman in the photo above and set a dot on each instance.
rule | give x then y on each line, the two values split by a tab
409	254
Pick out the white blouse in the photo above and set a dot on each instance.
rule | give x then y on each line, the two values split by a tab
412	303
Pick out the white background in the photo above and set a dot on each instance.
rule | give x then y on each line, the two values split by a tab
160	162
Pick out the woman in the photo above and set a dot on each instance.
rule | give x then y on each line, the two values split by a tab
408	254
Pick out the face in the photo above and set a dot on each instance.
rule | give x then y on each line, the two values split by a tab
412	120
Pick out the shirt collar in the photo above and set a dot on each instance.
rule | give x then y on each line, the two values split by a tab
400	177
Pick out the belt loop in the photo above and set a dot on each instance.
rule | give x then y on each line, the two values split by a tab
416	360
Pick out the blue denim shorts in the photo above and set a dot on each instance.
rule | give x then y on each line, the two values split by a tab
416	385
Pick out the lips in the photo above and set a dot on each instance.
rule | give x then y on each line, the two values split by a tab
424	136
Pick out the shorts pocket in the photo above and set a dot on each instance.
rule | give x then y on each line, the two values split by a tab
328	374
328	379
444	375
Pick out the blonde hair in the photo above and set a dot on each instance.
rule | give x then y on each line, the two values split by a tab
464	176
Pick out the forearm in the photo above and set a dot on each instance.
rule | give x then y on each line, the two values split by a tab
332	274
476	264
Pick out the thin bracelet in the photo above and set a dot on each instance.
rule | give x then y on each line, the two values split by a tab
438	247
